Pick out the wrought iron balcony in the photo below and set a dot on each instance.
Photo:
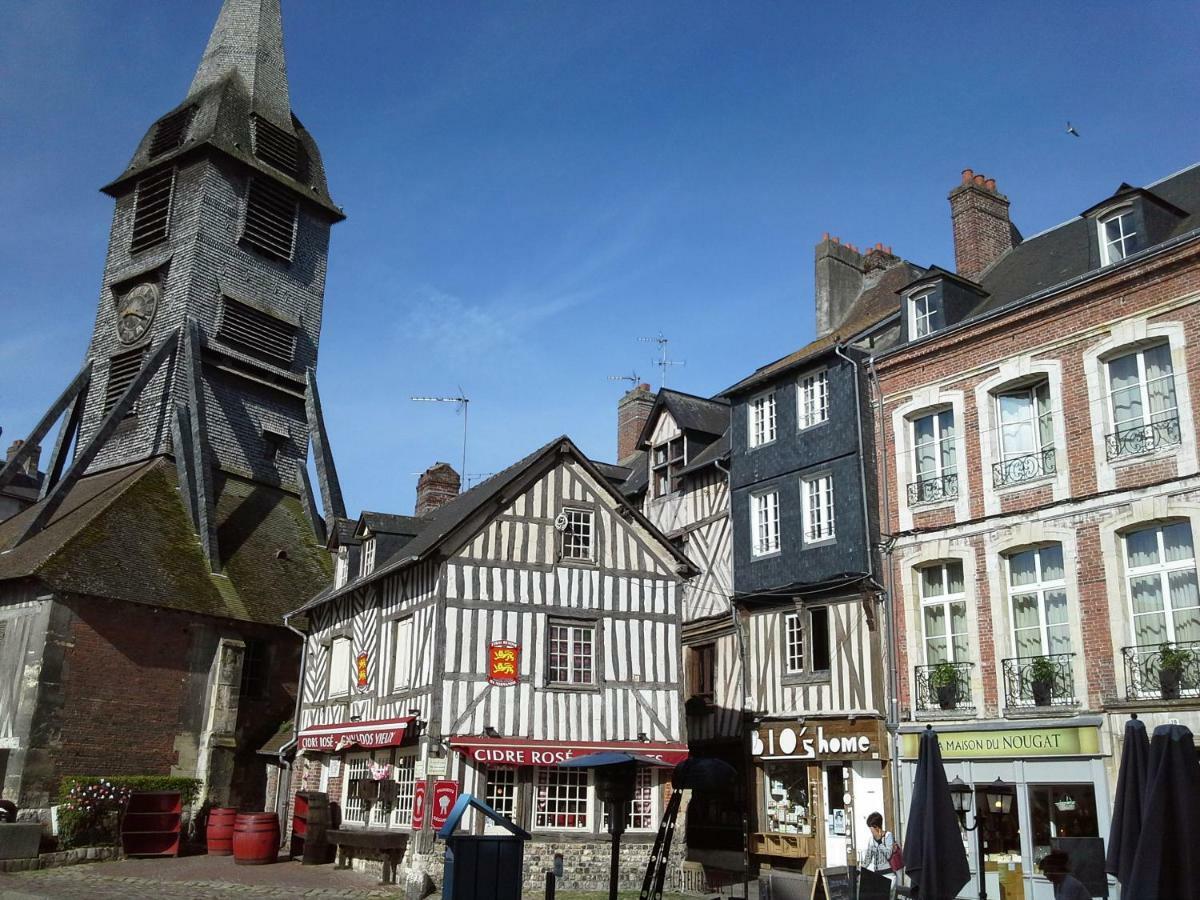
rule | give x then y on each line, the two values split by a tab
931	490
1016	469
931	692
1039	681
1143	438
1166	671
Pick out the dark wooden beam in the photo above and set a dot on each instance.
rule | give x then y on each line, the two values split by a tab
78	384
331	490
310	506
66	436
206	507
54	498
181	442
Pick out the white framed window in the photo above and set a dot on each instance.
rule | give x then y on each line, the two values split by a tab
341	572
500	792
1160	567
764	523
404	771
571	656
643	808
402	654
1037	592
1026	420
927	314
579	533
817	494
667	462
1141	396
562	800
368	556
356	768
813	398
793	643
944	613
1117	236
806	641
934	457
762	419
339	667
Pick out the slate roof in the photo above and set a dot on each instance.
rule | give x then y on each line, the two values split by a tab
717	450
389	523
612	471
443	522
639	475
123	535
280	739
690	412
343	532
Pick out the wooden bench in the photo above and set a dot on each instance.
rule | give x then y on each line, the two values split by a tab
389	844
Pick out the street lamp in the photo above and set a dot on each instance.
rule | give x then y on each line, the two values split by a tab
999	802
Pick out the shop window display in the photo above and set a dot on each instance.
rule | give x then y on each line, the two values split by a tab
1061	811
788	799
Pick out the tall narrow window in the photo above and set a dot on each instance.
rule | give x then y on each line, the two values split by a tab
668	461
927	316
341	571
256	672
818	507
339	667
1142	403
1161	570
762	419
501	791
1118	238
814	399
402	656
354	770
703	671
806	640
764	523
368	556
562	800
793	643
571	654
152	211
944	613
578	534
1026	435
934	459
1037	591
404	771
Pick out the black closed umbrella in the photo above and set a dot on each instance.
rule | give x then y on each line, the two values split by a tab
1166	865
1127	811
934	858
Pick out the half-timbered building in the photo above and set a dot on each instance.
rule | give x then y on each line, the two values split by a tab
532	618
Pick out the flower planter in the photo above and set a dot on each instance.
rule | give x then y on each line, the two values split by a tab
947	695
1043	692
1168	682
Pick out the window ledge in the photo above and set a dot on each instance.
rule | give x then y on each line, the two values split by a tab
944	715
572	563
1019	486
1052	711
572	688
771	555
823	542
823	676
1132	459
933	504
751	448
803	428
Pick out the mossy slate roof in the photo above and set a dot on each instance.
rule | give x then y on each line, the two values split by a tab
124	535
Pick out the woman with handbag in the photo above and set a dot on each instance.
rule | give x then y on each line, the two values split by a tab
882	853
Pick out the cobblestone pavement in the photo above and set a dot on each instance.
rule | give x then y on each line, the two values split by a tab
190	878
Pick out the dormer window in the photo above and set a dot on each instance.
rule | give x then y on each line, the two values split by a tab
927	313
341	571
1118	239
667	462
368	556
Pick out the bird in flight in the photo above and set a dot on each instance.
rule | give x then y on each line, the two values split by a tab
1071	130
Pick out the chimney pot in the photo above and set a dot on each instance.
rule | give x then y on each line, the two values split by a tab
632	412
979	179
990	184
436	487
967	175
825	236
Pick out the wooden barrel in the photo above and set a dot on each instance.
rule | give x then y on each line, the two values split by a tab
256	839
219	833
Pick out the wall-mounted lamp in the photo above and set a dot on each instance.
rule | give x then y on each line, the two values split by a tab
491	732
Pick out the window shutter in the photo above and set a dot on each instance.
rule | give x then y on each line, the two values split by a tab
171	131
270	224
152	211
256	331
276	147
122	369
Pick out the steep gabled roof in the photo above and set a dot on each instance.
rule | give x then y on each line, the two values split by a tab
388	523
716	451
690	412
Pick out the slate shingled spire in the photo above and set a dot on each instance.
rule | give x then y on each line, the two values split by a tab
248	40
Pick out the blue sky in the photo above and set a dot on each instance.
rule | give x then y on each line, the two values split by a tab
533	186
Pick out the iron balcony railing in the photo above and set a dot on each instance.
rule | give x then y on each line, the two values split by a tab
1039	681
931	490
1027	467
1143	438
1152	673
929	693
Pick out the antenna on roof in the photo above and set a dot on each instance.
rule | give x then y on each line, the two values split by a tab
663	361
632	378
462	402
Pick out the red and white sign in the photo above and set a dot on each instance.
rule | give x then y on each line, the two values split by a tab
418	815
444	795
522	752
362	666
503	662
354	735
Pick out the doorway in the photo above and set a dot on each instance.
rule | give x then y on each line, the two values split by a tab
838	828
1000	831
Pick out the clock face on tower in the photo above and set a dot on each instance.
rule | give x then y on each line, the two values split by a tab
135	311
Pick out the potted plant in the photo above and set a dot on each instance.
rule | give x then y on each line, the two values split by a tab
944	682
1171	662
1041	680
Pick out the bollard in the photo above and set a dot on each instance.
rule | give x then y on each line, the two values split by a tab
549	884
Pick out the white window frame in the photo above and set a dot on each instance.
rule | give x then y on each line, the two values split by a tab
816	494
354	811
341	571
761	419
500	785
1123	216
764	523
402	654
571	632
945	600
1027	392
1148	416
795	651
812	399
582	806
1162	569
368	556
404	773
920	317
645	803
1041	587
333	685
940	443
578	539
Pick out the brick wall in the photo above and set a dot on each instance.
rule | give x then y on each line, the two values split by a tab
982	229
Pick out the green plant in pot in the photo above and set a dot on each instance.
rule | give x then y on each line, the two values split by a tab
1042	672
943	680
1171	663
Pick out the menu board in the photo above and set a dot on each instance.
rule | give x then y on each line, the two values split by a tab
833	883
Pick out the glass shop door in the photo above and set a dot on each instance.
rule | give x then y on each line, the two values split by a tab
1000	831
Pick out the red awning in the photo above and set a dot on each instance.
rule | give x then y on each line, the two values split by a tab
525	752
354	735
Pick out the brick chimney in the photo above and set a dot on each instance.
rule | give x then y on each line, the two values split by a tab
437	487
632	412
839	280
983	231
30	466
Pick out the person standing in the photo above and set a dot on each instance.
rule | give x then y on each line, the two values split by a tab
877	855
1056	866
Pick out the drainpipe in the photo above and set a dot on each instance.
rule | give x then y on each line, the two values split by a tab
743	658
286	783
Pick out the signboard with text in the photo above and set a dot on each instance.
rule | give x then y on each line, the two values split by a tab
520	752
353	735
834	739
1072	740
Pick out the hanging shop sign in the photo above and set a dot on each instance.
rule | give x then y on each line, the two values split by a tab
838	739
503	659
1071	740
418	811
522	752
354	735
444	795
361	667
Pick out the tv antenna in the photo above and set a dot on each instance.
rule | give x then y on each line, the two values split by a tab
462	402
663	361
633	378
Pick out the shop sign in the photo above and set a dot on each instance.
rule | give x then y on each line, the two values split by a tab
1073	740
444	795
503	659
518	752
802	742
350	735
361	670
418	813
436	767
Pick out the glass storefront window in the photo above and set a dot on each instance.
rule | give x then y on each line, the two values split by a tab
788	798
1061	811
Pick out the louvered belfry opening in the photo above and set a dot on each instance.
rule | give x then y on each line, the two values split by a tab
276	147
122	369
271	211
171	131
258	332
152	211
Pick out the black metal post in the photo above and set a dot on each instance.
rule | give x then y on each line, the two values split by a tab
550	880
978	851
616	826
